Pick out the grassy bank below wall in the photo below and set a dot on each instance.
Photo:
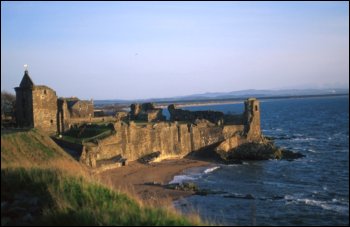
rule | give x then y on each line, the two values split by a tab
42	185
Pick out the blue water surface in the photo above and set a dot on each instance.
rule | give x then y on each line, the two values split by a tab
309	191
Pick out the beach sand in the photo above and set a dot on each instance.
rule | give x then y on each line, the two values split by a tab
132	178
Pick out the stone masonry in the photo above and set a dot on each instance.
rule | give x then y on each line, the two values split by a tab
174	138
38	106
146	112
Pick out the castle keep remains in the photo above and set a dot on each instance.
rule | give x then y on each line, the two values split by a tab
38	106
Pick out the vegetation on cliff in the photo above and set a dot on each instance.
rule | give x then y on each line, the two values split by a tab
42	185
50	197
87	133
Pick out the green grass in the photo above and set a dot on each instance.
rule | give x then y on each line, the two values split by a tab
81	140
28	146
72	139
88	133
63	200
54	189
37	144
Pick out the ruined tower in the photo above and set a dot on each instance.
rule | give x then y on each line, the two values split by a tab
252	119
63	116
36	105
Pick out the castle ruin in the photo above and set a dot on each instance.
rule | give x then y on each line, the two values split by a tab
37	106
186	132
146	112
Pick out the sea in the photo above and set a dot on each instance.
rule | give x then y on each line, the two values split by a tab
313	190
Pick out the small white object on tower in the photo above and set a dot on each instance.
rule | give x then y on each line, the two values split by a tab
26	67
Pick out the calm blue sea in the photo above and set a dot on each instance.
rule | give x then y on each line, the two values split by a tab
310	191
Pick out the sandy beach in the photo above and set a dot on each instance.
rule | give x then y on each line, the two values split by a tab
134	177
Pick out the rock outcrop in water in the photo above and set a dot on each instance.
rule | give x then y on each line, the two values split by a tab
262	150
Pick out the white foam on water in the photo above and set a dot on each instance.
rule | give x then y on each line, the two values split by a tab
233	165
298	134
340	208
211	169
334	204
192	176
181	178
312	150
304	139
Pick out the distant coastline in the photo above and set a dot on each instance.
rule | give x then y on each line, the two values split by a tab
181	104
124	106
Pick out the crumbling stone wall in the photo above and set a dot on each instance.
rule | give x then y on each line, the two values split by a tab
171	139
63	116
122	116
81	109
178	139
146	112
135	110
190	116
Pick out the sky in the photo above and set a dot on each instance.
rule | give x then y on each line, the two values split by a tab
139	50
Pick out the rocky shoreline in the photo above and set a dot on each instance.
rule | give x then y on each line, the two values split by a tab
264	150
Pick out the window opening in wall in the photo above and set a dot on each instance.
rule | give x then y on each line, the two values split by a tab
51	121
256	108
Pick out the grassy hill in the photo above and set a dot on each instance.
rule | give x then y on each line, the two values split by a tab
42	185
32	148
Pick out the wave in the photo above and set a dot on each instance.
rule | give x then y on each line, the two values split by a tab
304	139
334	204
312	150
181	178
191	176
211	169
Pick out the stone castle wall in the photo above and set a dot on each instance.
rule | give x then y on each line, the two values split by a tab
175	138
186	115
82	109
170	138
45	108
146	112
